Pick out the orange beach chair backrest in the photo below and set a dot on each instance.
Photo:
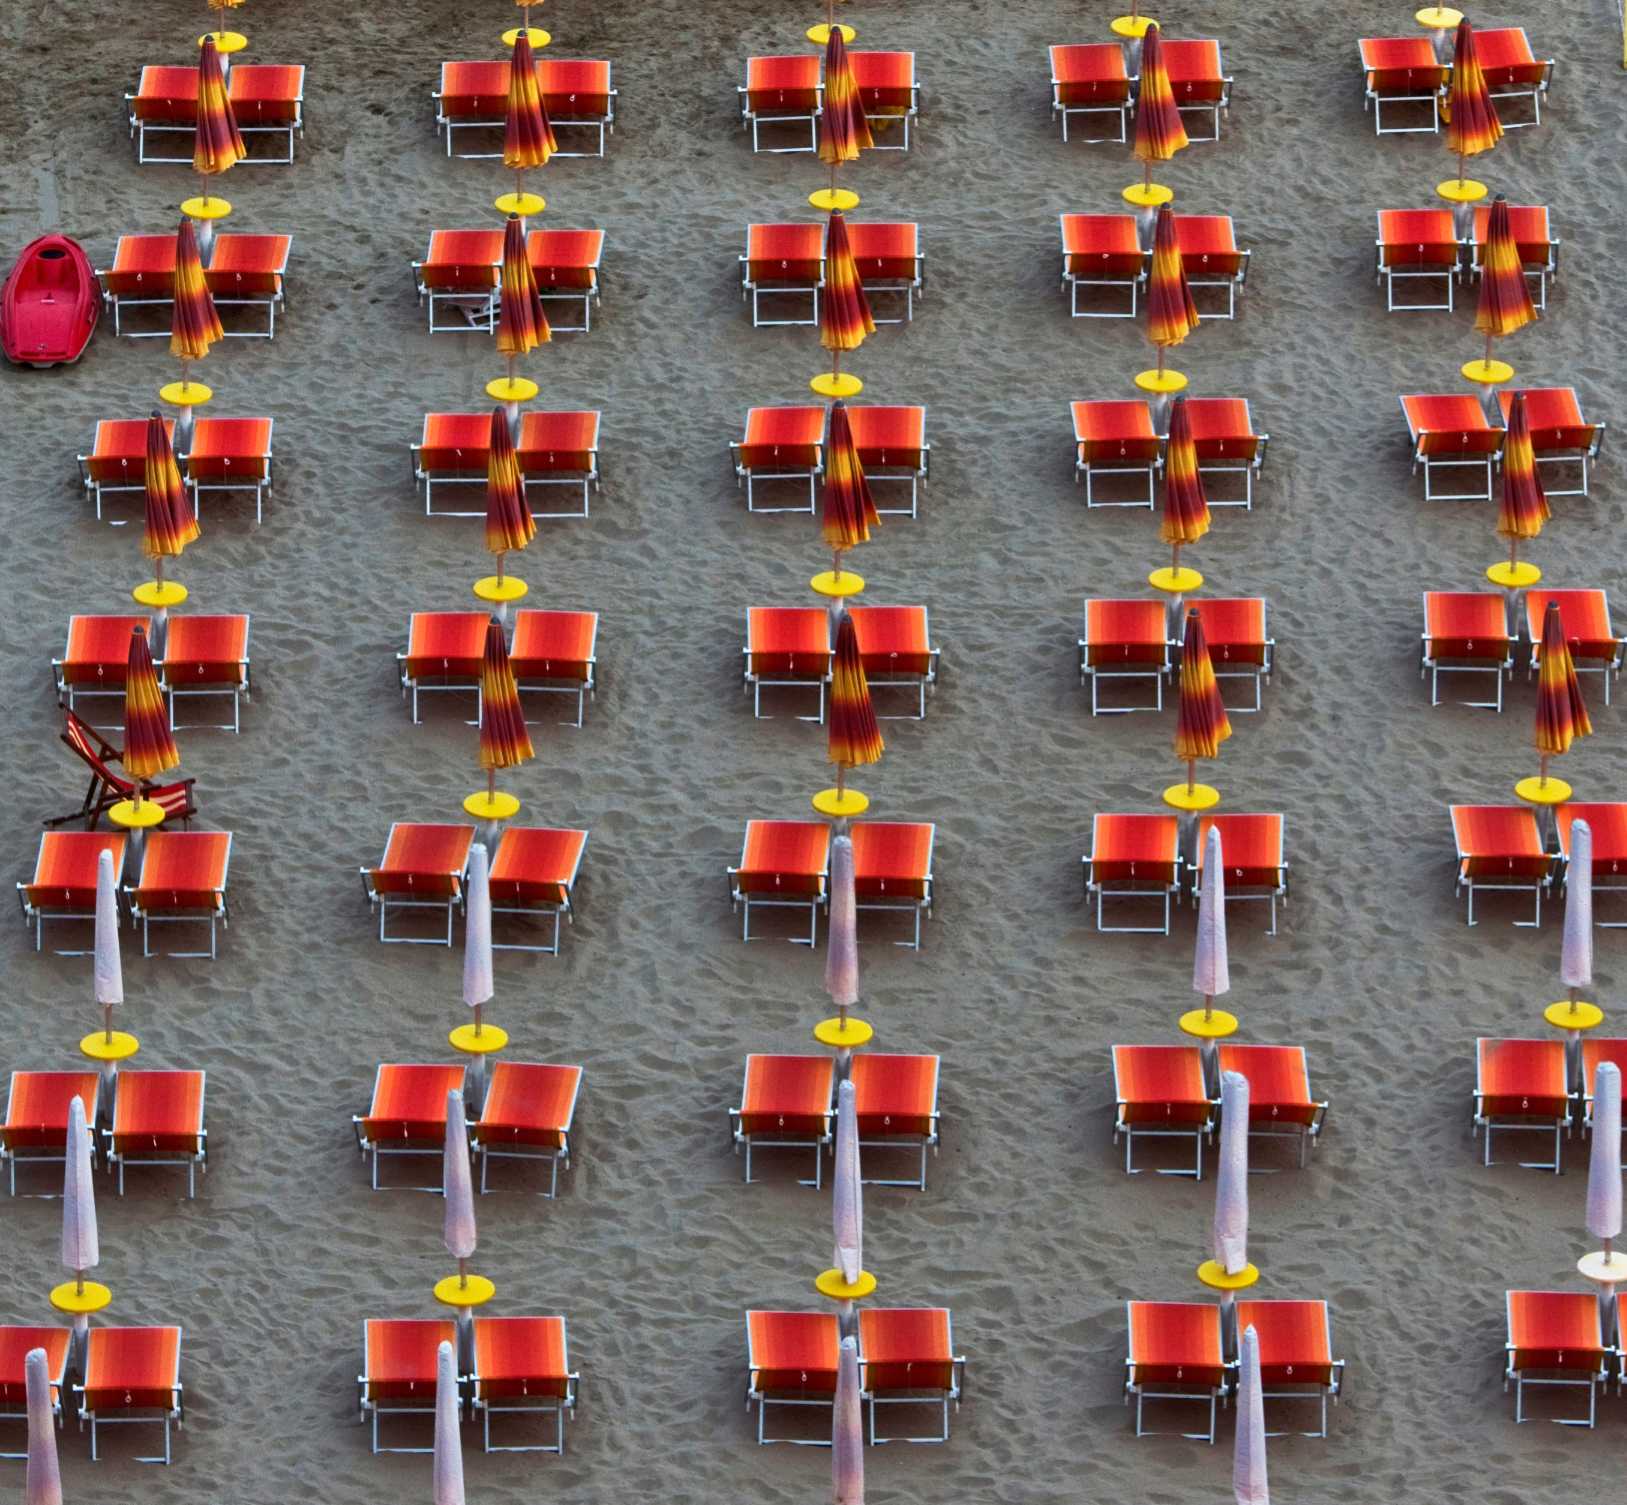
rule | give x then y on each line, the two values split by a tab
248	263
1522	1077
65	872
1235	629
785	856
455	441
1279	1084
892	639
1608	823
184	870
1555	417
1175	1342
1160	1084
266	91
888	436
1402	65
787	1094
446	642
884	250
1125	632
1417	237
1294	1346
520	1356
1094	244
793	1351
206	650
15	1345
782	436
475	89
130	1368
409	1102
894	1094
788	640
553	644
158	1110
555	442
1089	73
463	258
536	864
572	86
1554	1330
37	1110
1585	616
891	858
906	1348
785	253
424	859
1498	841
400	1357
783	83
1115	431
1466	624
529	1103
1251	846
1134	847
1194	70
167	93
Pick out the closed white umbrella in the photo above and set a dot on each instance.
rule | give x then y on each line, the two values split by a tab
448	1444
1576	960
1604	1170
1248	1457
1231	1191
477	970
458	1186
1210	975
80	1251
842	962
109	972
847	1429
848	1196
43	1482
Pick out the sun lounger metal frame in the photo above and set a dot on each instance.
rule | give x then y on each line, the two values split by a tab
1427	445
555	1155
1197	1130
1378	95
1517	1121
1308	1133
377	1147
924	681
907	903
1217	104
1568	455
1390	271
1539	271
383	902
1535	88
1157	670
1316	1390
175	1411
259	483
269	298
248	123
882	1139
1467	880
813	899
558	1405
547	907
1109	106
754	684
163	125
1141	1391
752	119
192	1159
219	910
1212	465
1173	888
1233	281
795	1139
1150	464
113	298
18	1410
240	689
1073	280
1593	1382
46	1154
1437	665
134	478
902	109
37	909
921	1395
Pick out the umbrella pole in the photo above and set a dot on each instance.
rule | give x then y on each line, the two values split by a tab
1460	169
107	1019
491	786
501	556
463	1273
511	371
841	778
836	564
158	565
81	1275
1488	350
1175	564
1542	782
1146	181
1191	779
1208	1008
1160	360
477	1018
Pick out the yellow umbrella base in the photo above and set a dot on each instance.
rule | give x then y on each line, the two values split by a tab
97	1047
536	36
67	1297
499	806
454	1291
1513	576
225	41
837	198
132	817
1568	1015
170	593
1132	26
1438	17
1466	192
821	34
830	584
1176	582
829	384
1217	1026
1536	791
1489	373
848	802
840	1036
501	592
1160	381
1607	1270
1213	1275
184	394
1148	195
1191	797
521	203
205	208
489	1039
504	390
830	1283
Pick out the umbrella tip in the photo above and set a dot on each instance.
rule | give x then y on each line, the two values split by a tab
513	214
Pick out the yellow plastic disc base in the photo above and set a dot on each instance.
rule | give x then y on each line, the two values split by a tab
1217	1026
497	806
489	1039
1610	1271
67	1297
509	588
1148	195
1536	792
831	584
1177	582
828	384
821	33
150	813
184	394
210	208
1132	26
521	203
1211	1273
504	390
830	1283
225	41
1513	576
1160	381
848	802
1568	1015
840	1036
1489	373
455	1291
536	35
1192	796
834	198
99	1048
1466	192
170	593
1438	17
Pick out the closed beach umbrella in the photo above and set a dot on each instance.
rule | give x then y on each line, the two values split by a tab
1505	297
1604	1170
528	138
216	142
1201	723
457	1185
855	738
1231	1190
509	524
850	511
504	741
1473	126
169	524
194	324
843	130
847	1429
109	970
1211	973
1248	1456
43	1482
844	311
80	1248
1576	958
477	960
448	1465
1171	313
848	1198
1186	509
1524	508
149	745
1561	715
842	963
521	323
1159	132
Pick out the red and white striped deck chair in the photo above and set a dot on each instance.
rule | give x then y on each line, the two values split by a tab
423	867
553	654
36	1128
165	103
559	449
1210	256
527	1116
206	656
1089	78
158	1120
1161	1094
407	1116
1595	1051
1175	1354
132	1376
1296	1353
16	1343
1115	439
892	447
1223	434
1559	433
784	261
889	260
1512	71
1608	824
782	91
1417	245
183	881
888	94
786	1104
247	271
142	276
785	864
107	788
1252	846
565	264
118	459
268	99
1450	432
1403	70
896	1098
445	650
1554	1340
64	885
791	1361
1466	632
787	647
473	96
781	444
460	268
1280	1101
534	873
1133	856
454	450
577	94
399	1363
94	659
1498	847
892	869
1538	248
1521	1086
896	649
522	1365
230	454
1101	250
1585	616
1124	640
1240	645
1199	81
907	1358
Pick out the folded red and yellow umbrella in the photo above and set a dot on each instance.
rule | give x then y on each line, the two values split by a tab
1201	723
855	738
850	512
216	142
504	741
521	323
844	311
528	138
1561	715
1525	508
149	745
1472	124
1505	297
843	130
170	524
194	324
509	524
1171	313
1186	509
1159	131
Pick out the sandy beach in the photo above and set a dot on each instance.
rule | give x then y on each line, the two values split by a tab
1029	1229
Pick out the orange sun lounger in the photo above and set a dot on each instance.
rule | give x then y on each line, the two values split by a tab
1210	256
1223	434
1417	245
1608	823
1199	81
892	447
1403	70
783	261
460	268
1559	433
781	444
553	654
1296	1351
888	93
559	449
158	1120
787	647
522	1365
782	91
907	1358
1450	432
1161	1094
1498	847
408	1116
118	459
16	1343
423	867
64	886
1240	646
895	646
247	271
36	1127
1115	439
791	1358
527	1116
142	276
165	103
1101	250
1585	616
896	1098
106	788
1537	245
1466	632
230	454
1522	1086
889	260
1595	1051
1280	1101
1174	1354
892	869
94	660
453	450
445	650
1125	640
784	864
1255	866
576	92
268	99
1133	856
565	265
207	656
786	1104
1554	1340
1090	79
183	880
399	1363
132	1376
534	873
1512	71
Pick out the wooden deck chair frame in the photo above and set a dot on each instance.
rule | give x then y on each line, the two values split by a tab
220	911
1439	665
192	1159
151	1415
1521	1123
106	788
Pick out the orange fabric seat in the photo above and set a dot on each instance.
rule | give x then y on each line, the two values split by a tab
1223	435
565	266
452	450
896	649
142	276
445	650
266	93
783	259
1498	847
423	867
780	444
36	1126
784	864
1174	1354
783	90
231	454
1417	245
118	458
1466	632
1522	1085
1559	433
399	1364
892	446
791	1358
94	660
1161	1093
527	1115
183	880
1450	432
132	1370
786	647
158	1120
206	656
1115	438
408	1115
64	884
888	93
576	92
1280	1098
1403	70
1555	1340
553	653
165	104
534	873
1090	79
1585	616
907	1356
1252	848
892	869
1528	223
1125	640
16	1343
786	1104
1101	250
471	90
896	1099
1296	1351
522	1364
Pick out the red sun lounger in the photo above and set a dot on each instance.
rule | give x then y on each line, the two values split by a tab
782	91
527	1116
1133	856
895	647
1174	1354
142	276
472	96
1210	256
1559	433
1512	71
783	261
1538	248
1498	848
1089	79
247	271
408	1116
534	873
1450	432
118	459
183	880
1554	1339
888	93
93	662
1585	615
1115	439
522	1365
1417	245
399	1371
1466	632
1199	82
1101	250
454	450
565	265
1223	434
1403	70
892	869
423	867
460	268
36	1126
445	650
1296	1352
889	260
552	654
892	447
268	99
1608	823
786	1104
132	1375
1280	1100
64	886
576	92
1255	866
165	103
106	788
784	864
1161	1094
1521	1085
791	1358
1124	640
781	444
16	1343
230	454
207	656
896	1098
908	1359
1595	1051
787	647
158	1120
1240	647
559	449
